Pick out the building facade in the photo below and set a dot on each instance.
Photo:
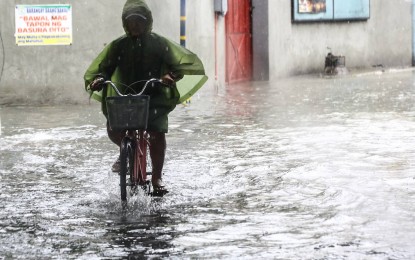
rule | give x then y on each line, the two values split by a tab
238	40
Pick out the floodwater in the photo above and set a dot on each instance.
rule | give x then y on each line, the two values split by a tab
302	168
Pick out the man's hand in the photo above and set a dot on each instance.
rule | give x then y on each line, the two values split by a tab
171	77
97	84
167	79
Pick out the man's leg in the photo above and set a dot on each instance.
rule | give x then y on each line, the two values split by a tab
157	154
116	137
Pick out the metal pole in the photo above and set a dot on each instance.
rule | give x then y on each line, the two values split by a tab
413	32
183	23
183	28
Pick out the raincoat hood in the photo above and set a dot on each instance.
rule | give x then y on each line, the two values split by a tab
137	7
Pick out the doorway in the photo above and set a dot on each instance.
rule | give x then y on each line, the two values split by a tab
239	41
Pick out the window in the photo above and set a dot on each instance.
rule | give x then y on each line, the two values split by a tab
330	10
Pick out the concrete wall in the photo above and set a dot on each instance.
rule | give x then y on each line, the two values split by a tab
45	74
297	48
53	74
260	38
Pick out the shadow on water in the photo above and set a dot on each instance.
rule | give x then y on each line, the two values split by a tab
142	235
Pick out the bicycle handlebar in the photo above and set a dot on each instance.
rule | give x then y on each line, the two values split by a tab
141	92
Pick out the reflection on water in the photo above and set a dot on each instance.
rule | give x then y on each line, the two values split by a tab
303	168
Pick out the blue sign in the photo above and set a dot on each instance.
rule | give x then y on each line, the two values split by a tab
351	9
330	10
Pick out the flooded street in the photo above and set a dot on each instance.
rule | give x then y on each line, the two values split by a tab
301	168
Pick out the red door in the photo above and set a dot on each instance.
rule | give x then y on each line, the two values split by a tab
238	41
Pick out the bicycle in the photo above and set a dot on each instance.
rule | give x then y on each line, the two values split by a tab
129	113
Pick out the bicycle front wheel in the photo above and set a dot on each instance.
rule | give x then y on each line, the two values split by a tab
127	165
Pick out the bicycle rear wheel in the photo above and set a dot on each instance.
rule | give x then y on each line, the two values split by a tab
127	165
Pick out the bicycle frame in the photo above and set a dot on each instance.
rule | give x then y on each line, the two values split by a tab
133	154
140	156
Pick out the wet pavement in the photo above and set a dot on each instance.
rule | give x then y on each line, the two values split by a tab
301	168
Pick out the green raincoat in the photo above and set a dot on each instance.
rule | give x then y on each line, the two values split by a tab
129	62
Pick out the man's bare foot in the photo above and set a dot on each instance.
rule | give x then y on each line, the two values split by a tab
158	188
116	167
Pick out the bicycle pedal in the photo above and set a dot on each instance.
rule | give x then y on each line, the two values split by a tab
158	193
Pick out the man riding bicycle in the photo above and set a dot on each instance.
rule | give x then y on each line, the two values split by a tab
132	59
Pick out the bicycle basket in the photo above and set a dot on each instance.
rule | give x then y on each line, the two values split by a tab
128	112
